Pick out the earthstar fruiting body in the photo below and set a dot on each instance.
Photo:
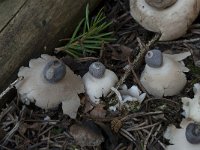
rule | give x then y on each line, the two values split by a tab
98	81
171	18
168	79
177	137
48	82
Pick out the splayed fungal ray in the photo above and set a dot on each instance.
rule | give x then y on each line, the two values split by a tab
48	82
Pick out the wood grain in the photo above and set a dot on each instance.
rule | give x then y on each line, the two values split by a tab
27	26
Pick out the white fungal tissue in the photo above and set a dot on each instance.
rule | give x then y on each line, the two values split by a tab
164	74
191	107
49	82
127	95
178	139
172	20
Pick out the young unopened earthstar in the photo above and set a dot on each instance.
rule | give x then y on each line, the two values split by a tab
98	81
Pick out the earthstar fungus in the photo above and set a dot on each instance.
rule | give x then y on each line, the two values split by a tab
98	81
163	74
188	137
183	138
48	82
171	18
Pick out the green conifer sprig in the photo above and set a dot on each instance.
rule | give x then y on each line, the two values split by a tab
88	36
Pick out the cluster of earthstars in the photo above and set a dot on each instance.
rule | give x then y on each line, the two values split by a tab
48	81
171	18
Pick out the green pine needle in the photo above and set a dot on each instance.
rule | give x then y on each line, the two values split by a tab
89	35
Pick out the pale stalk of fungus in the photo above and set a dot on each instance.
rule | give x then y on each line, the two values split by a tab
48	82
171	18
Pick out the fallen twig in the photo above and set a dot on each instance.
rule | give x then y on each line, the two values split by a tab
127	135
140	115
15	128
147	139
144	127
10	87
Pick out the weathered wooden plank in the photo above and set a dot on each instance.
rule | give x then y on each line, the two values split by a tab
32	25
8	10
